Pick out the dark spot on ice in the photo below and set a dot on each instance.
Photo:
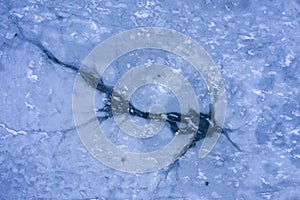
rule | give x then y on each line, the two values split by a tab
123	159
206	183
59	17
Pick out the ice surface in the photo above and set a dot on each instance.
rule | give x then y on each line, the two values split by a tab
255	45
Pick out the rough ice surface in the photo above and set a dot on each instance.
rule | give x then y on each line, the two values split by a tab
255	44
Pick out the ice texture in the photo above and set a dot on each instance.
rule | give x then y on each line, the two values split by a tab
255	45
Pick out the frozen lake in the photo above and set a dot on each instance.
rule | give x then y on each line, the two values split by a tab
255	46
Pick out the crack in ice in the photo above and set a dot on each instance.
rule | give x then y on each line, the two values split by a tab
172	118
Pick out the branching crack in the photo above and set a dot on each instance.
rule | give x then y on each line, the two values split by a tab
173	119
